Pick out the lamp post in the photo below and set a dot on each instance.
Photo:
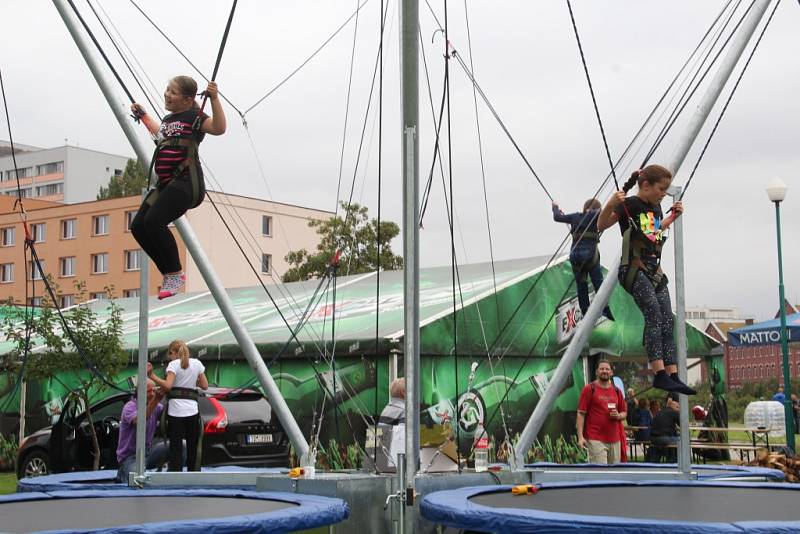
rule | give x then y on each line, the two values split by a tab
776	191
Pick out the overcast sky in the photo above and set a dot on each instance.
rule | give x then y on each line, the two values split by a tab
526	61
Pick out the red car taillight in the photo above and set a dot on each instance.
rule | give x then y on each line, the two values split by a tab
220	421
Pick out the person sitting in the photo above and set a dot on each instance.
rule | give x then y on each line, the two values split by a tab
126	448
664	430
644	419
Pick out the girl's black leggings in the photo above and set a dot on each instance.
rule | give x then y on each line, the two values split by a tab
150	225
178	429
658	321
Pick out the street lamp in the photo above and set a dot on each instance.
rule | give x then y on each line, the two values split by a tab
776	191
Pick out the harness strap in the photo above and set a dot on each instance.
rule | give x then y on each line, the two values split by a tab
183	393
585	236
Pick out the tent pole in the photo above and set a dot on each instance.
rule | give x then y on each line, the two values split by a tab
194	248
586	325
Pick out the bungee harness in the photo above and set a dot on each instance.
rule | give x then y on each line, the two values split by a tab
189	165
635	245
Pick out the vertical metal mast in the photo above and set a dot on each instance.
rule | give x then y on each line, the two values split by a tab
143	152
409	59
586	325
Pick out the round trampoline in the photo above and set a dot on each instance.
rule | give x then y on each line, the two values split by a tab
704	472
154	511
626	507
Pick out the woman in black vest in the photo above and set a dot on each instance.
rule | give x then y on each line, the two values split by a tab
176	163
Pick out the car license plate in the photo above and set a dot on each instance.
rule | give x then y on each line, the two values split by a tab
258	438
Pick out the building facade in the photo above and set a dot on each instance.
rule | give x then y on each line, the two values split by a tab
91	242
65	174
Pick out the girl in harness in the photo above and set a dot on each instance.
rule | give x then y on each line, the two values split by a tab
181	380
643	225
176	162
584	255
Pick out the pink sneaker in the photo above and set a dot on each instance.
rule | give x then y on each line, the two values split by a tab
172	284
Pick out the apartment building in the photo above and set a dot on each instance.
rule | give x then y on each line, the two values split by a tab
65	174
91	242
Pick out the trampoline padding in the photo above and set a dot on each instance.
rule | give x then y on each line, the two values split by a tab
666	506
151	511
106	479
704	472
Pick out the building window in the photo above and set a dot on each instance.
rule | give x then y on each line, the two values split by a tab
67	301
38	232
132	260
266	263
130	293
49	189
117	172
100	225
69	228
6	273
67	266
100	263
8	236
35	301
98	295
50	168
266	225
35	272
129	215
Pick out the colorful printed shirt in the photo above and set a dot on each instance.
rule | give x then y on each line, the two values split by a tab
648	218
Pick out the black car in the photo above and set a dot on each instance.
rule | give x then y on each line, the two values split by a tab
238	429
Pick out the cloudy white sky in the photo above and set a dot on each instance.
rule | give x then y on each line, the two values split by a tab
525	59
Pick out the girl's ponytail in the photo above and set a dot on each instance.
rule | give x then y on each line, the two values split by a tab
182	350
629	183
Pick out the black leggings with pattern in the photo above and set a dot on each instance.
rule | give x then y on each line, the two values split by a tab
657	311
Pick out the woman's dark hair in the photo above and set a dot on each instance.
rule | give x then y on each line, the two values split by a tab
188	87
592	204
643	404
651	174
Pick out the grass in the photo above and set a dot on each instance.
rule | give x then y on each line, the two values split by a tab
8	483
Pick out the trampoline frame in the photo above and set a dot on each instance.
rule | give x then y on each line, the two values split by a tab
311	511
453	508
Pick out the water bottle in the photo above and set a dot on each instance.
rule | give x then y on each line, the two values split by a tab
481	450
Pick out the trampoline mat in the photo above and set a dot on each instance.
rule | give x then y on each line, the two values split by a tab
89	513
670	503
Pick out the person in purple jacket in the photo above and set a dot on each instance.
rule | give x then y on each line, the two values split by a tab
126	448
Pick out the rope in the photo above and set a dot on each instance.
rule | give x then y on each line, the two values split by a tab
177	49
728	101
304	63
102	52
591	91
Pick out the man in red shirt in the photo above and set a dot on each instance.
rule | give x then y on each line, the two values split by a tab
599	417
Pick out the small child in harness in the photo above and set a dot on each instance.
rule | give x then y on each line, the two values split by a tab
643	228
176	163
584	255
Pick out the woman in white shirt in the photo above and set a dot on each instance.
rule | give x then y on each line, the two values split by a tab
183	376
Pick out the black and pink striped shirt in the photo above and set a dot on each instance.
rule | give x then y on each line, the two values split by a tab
175	125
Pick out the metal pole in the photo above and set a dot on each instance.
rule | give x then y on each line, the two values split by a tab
401	502
120	109
684	448
23	407
584	328
787	384
141	372
409	58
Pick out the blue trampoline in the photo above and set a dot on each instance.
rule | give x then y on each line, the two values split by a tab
168	511
626	507
704	471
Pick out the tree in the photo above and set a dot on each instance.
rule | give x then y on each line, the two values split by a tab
100	353
356	235
132	181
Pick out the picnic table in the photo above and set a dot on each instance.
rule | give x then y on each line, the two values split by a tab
758	435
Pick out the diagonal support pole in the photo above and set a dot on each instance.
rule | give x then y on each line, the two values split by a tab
585	327
143	152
